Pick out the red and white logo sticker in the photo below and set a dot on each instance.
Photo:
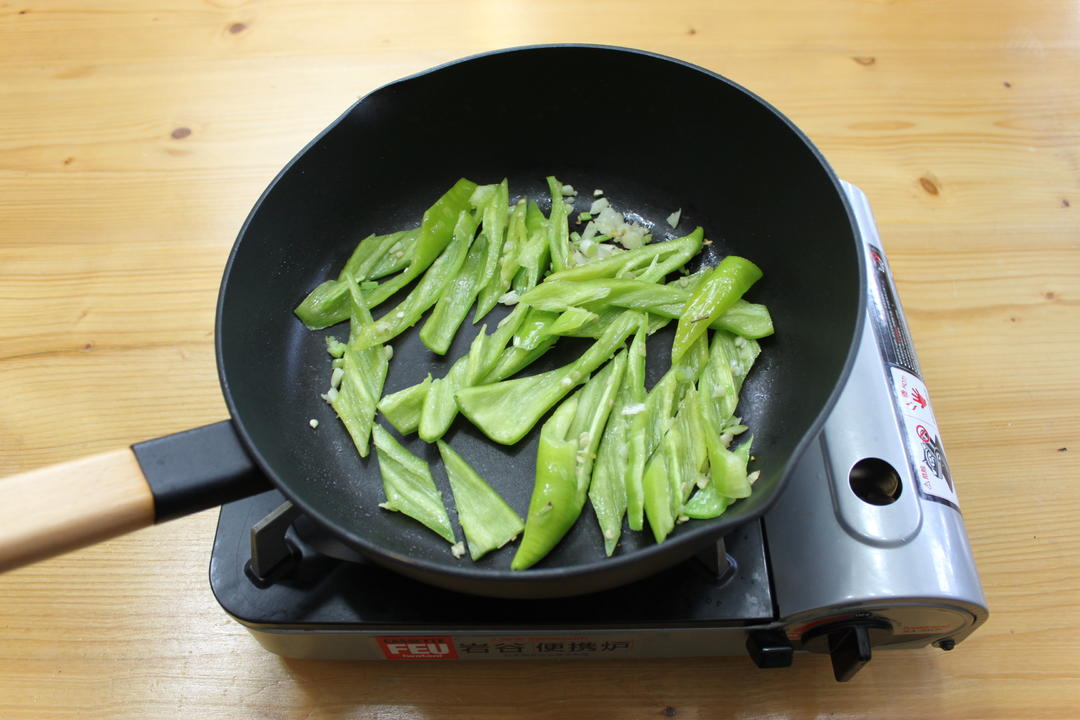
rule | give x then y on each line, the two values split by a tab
418	648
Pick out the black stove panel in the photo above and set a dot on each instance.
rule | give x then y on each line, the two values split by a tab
320	591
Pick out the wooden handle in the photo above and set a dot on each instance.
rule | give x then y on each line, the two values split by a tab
59	508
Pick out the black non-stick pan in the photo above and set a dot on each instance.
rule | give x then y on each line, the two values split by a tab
656	135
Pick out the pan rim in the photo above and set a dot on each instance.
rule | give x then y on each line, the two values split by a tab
690	538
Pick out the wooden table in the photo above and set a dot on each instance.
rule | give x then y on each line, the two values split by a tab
135	136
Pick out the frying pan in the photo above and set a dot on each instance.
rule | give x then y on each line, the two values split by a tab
656	135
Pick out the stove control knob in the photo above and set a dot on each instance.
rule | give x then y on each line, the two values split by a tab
847	642
769	648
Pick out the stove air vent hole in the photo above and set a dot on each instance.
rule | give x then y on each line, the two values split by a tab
875	481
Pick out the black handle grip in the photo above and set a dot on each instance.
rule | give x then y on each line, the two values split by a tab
197	469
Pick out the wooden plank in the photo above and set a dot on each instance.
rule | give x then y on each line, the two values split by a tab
135	137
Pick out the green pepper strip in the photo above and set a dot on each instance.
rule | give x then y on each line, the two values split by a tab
498	282
558	227
533	258
436	232
553	505
488	522
742	317
572	320
621	450
651	262
663	471
379	255
605	317
661	405
721	380
495	213
403	408
725	284
535	329
478	365
711	500
505	411
420	298
676	468
397	257
364	372
327	304
439	408
564	463
453	305
409	486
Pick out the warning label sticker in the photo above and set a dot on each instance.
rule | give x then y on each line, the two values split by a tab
910	395
923	439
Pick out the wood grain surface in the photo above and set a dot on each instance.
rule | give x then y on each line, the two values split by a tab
136	135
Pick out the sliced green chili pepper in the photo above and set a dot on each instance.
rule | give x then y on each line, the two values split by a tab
533	258
746	319
676	468
661	405
742	318
718	384
725	284
379	255
363	374
534	329
746	351
558	227
711	500
454	303
499	281
605	317
730	359
558	295
650	263
571	320
494	227
436	232
597	399
420	298
409	486
621	451
440	408
369	250
661	472
403	408
505	411
553	506
564	463
481	196
397	256
487	520
327	304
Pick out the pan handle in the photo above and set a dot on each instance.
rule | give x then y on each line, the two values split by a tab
56	509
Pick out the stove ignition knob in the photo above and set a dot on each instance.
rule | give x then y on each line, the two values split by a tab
847	642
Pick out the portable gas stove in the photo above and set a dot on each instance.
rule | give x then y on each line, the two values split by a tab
865	548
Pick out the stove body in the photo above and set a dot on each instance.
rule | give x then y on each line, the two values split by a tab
865	549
